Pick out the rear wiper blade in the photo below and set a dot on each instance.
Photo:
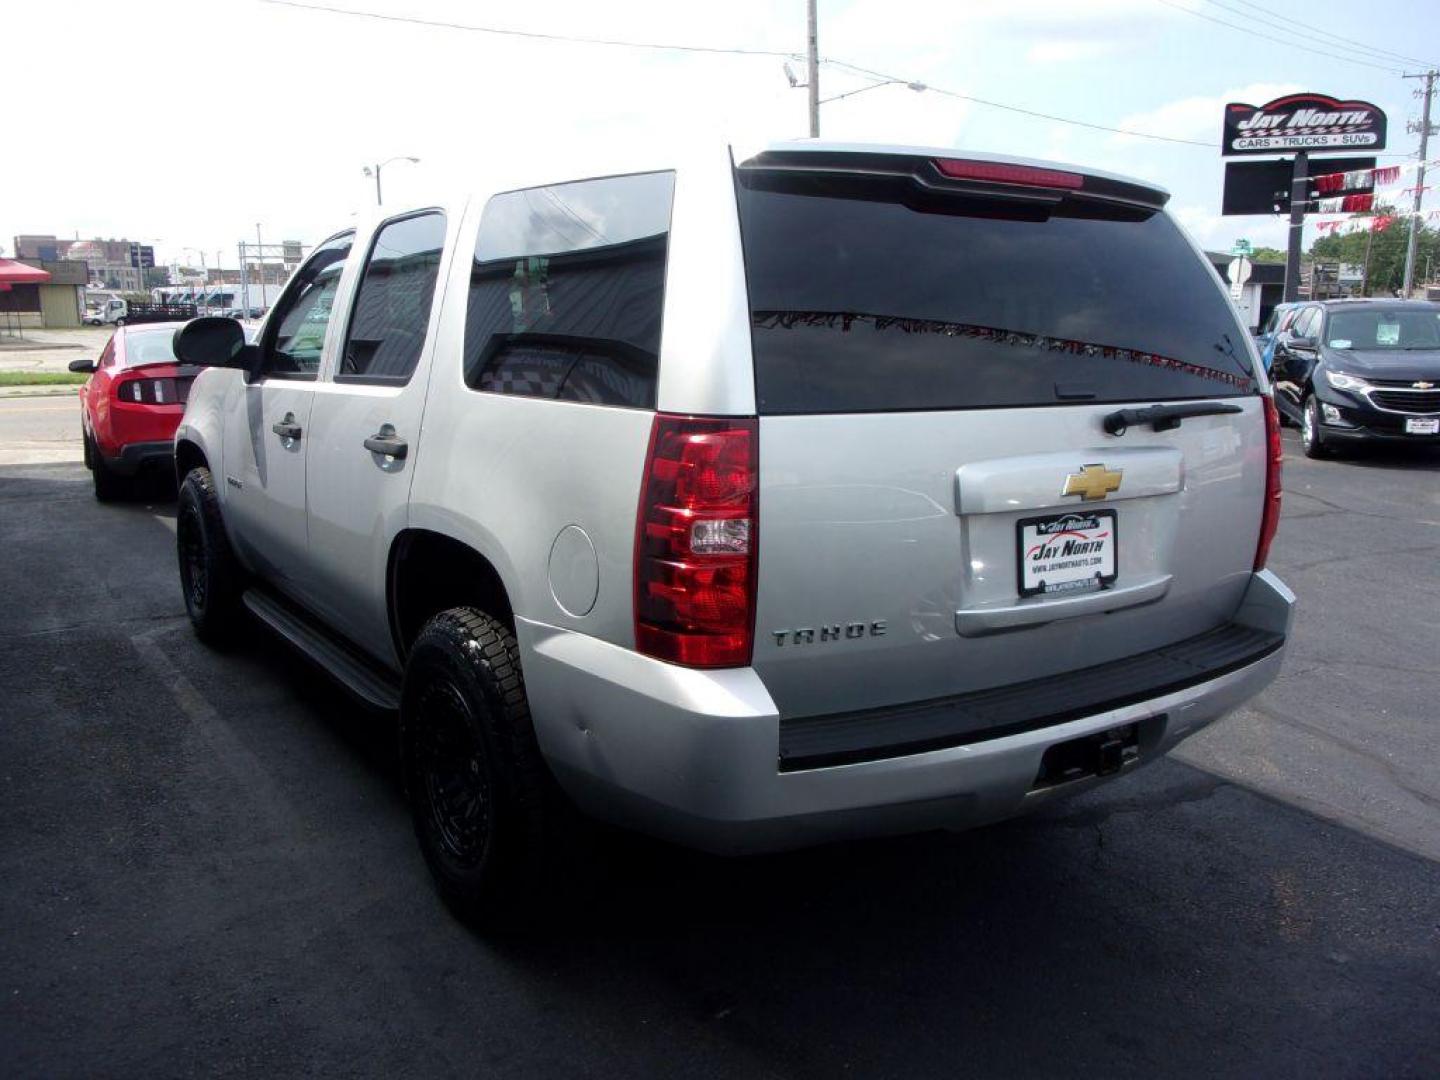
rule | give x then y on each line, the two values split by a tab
1165	417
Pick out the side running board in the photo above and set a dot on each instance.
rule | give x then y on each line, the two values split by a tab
372	686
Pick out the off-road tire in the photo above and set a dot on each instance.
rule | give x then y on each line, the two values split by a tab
210	576
489	817
1312	436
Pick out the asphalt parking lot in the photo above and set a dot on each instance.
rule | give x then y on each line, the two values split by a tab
206	866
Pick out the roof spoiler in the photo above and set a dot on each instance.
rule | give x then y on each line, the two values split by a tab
941	184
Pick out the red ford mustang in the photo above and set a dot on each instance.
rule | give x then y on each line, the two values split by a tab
131	405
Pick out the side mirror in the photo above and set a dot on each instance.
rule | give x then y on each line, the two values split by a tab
211	341
1302	343
82	366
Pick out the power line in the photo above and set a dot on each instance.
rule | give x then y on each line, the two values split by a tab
1336	38
1022	111
535	34
1378	54
1281	41
619	43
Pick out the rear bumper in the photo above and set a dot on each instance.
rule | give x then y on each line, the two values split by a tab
134	456
695	756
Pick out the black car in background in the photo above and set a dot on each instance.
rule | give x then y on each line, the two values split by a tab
1353	370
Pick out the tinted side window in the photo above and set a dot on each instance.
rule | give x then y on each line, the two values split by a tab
295	336
567	291
862	302
392	304
1304	325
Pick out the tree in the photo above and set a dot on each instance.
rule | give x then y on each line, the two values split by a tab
1387	252
1268	255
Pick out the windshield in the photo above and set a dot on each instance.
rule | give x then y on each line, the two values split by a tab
1381	329
149	347
860	304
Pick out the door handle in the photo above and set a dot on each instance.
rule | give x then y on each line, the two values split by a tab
386	442
286	428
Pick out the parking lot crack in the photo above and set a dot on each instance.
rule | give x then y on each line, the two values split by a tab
1355	556
1384	764
86	624
1363	513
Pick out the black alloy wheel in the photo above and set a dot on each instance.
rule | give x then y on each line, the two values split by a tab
452	774
190	545
490	819
211	579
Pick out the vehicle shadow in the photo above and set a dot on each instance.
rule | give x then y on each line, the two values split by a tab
1385	456
1172	923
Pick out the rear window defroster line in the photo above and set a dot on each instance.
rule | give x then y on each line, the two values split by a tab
786	320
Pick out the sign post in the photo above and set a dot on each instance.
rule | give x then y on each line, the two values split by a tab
1298	176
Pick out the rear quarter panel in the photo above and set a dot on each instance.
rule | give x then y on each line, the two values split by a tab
505	475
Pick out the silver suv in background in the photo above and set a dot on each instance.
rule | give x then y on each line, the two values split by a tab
838	491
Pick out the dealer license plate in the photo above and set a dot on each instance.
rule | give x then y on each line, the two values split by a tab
1067	553
1415	426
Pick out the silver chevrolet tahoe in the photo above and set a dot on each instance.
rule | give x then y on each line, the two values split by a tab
832	491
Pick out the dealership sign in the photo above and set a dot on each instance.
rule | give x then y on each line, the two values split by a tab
1302	122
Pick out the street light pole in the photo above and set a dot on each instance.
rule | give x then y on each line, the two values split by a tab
375	171
812	68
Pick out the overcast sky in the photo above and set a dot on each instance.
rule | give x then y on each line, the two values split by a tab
185	123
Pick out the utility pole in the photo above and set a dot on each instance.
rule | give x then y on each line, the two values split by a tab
1429	91
1299	187
1365	273
244	278
812	75
378	201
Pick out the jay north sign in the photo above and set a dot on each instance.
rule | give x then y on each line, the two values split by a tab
1302	122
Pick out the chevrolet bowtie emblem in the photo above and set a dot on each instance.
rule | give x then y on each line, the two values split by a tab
1093	482
1422	385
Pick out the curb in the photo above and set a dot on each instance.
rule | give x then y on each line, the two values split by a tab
39	391
39	346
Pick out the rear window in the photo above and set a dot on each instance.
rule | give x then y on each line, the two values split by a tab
862	304
567	291
150	347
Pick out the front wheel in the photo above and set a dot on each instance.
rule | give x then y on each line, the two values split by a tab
210	576
487	814
1312	439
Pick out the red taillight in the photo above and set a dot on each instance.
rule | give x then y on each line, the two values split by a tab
695	542
999	173
142	391
1274	458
